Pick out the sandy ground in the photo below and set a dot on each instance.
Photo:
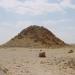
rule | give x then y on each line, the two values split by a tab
23	61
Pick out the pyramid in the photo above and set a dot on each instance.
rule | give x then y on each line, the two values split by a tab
35	36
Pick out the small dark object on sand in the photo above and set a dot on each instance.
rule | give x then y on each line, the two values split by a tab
71	51
40	50
42	54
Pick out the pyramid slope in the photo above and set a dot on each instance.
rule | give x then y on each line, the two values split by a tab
35	36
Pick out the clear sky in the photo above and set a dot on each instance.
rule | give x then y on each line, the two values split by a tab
56	15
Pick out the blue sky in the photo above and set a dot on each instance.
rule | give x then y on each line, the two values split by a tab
56	15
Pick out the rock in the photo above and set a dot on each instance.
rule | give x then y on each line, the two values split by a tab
42	54
3	71
71	51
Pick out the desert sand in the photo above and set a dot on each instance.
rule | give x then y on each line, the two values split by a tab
26	61
37	51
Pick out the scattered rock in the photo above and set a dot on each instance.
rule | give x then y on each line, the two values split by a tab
40	50
71	51
70	63
3	71
42	54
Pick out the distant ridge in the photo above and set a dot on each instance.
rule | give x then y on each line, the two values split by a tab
36	37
